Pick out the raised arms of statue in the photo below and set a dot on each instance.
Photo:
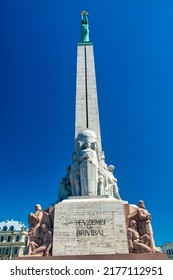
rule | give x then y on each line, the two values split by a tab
84	27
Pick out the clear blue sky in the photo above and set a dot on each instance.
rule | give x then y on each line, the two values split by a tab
133	44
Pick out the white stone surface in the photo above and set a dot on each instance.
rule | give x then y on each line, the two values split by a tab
89	226
86	78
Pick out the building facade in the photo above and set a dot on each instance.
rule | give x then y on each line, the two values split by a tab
168	249
13	237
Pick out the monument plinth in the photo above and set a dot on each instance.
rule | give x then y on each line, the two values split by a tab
89	226
90	220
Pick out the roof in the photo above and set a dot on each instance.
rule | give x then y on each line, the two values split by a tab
166	243
12	225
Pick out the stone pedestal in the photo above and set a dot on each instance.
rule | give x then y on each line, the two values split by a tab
89	226
144	256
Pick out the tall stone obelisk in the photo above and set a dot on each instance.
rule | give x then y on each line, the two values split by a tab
87	112
91	220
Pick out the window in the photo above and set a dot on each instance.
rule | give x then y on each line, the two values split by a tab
8	238
17	238
168	252
7	250
2	238
11	228
15	250
4	228
0	251
24	251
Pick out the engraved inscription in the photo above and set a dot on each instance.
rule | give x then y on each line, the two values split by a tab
91	227
91	232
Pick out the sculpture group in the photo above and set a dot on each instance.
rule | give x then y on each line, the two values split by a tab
139	231
88	174
40	233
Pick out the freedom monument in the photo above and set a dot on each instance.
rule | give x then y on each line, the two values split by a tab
90	220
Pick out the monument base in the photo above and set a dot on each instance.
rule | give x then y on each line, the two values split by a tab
89	226
92	228
144	256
